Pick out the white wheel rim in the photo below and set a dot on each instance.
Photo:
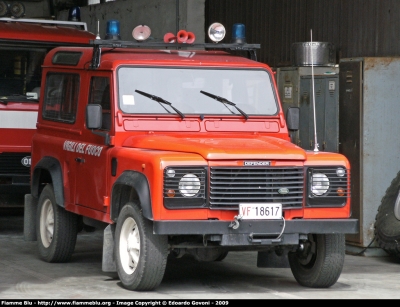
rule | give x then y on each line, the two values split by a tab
129	245
47	223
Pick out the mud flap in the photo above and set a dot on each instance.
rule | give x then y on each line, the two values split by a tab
270	259
108	263
30	207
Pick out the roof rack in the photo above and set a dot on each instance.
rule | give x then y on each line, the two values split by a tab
99	43
47	21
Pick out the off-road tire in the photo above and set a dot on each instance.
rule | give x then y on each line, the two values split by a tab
320	264
56	229
140	255
387	227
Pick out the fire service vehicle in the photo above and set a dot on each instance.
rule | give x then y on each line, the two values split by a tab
23	46
175	148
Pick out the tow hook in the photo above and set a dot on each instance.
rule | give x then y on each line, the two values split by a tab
235	223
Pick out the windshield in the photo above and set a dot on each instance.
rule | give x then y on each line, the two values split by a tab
229	91
20	72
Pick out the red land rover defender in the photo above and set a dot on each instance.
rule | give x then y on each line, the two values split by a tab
23	46
180	148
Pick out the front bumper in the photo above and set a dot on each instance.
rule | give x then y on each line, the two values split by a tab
256	232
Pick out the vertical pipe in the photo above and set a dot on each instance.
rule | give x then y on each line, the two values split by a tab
313	93
177	16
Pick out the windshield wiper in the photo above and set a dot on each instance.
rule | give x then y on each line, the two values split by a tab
160	101
225	102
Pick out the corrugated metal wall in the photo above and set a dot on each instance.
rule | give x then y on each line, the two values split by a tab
357	27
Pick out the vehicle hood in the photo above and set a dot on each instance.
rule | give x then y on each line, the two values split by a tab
222	147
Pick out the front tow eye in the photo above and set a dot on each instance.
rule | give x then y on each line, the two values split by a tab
235	223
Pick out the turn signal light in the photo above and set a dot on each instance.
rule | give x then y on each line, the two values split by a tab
340	191
170	193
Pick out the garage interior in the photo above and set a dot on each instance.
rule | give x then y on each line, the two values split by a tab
362	105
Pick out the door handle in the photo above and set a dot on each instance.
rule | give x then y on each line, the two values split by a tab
80	160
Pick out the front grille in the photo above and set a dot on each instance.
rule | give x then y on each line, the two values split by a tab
11	163
230	186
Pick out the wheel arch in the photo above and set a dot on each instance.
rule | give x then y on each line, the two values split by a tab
48	170
131	185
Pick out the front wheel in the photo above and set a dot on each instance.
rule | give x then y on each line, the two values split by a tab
319	263
56	229
140	255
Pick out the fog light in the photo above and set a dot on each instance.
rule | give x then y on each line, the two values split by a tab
216	32
141	33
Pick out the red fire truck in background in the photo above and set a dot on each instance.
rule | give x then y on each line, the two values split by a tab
23	46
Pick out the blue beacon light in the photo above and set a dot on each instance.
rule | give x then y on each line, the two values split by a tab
239	33
74	14
112	30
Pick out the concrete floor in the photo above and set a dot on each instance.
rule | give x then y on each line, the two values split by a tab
24	276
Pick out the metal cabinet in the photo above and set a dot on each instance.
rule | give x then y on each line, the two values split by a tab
295	89
369	134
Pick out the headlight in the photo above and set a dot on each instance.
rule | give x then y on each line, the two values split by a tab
328	186
185	187
319	184
189	185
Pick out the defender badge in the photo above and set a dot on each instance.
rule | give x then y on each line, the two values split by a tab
257	163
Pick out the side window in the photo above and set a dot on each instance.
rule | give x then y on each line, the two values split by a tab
100	94
61	97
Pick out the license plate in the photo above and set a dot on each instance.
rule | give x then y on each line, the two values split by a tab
262	211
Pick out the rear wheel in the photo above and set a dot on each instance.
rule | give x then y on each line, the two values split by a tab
56	229
387	226
320	262
141	256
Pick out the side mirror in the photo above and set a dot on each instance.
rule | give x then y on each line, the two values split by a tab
93	116
293	118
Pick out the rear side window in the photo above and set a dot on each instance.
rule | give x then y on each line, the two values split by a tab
61	97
